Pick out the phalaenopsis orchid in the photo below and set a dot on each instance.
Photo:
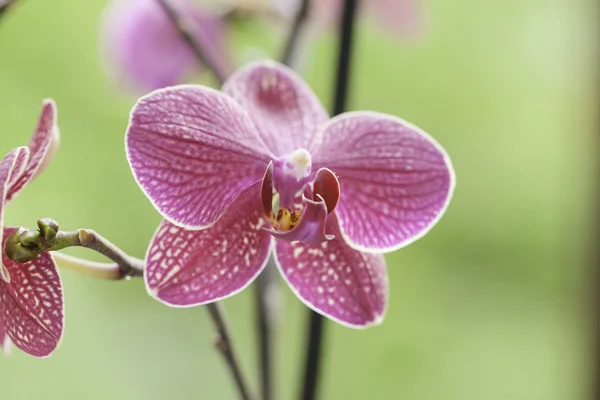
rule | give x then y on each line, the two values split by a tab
259	168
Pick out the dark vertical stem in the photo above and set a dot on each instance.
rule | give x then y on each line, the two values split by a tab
294	36
344	56
316	327
265	315
313	357
184	26
224	345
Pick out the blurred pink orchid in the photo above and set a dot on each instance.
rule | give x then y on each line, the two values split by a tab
260	169
143	50
31	299
398	17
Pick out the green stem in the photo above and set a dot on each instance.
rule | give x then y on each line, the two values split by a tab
24	245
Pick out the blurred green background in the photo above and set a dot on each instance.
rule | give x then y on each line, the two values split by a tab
493	304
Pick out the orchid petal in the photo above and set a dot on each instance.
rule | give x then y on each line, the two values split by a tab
396	181
400	17
311	228
284	108
31	305
5	342
12	164
42	146
343	284
193	151
142	48
189	268
19	167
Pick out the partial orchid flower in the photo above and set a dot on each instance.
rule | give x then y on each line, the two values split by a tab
403	18
31	298
143	50
260	169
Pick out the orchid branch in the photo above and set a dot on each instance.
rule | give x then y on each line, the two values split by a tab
295	33
266	313
224	345
24	245
183	24
315	335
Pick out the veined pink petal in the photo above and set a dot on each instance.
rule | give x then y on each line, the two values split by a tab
396	181
12	164
19	167
193	151
345	285
42	147
31	305
283	107
141	46
188	268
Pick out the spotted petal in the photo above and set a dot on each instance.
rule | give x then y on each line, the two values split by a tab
42	146
188	268
12	165
396	181
285	110
193	151
343	284
143	50
31	305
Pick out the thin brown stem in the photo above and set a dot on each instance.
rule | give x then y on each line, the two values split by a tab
295	34
27	244
185	27
267	293
224	345
129	266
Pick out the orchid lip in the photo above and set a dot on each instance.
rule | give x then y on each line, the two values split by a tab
303	220
309	227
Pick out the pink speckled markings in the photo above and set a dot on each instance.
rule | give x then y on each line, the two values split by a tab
31	304
260	166
31	299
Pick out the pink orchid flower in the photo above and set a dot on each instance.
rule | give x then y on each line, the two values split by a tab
143	51
31	298
399	17
260	169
